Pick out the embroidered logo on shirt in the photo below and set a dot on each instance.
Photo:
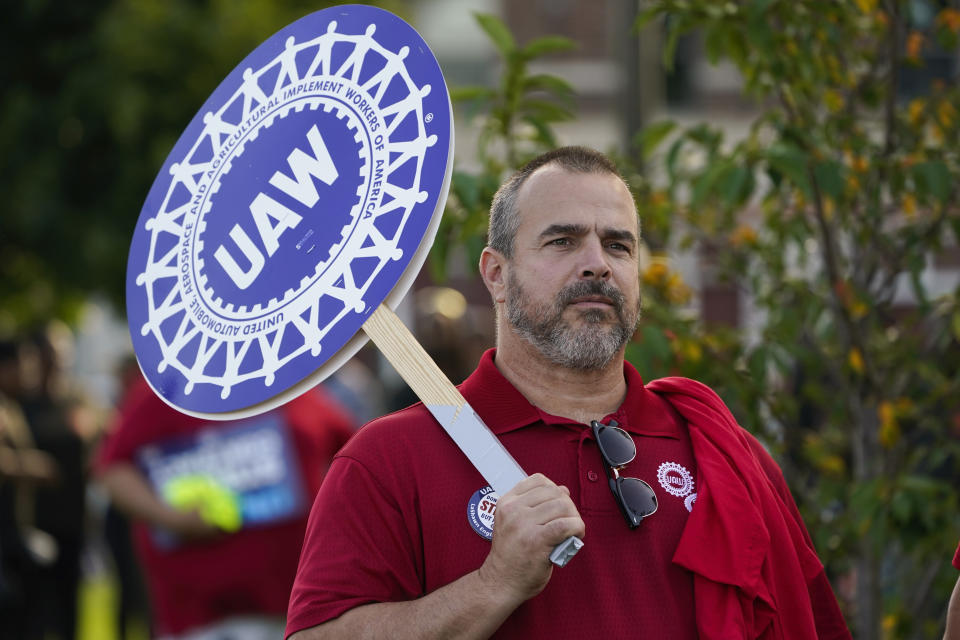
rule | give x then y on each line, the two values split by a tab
480	511
675	479
688	502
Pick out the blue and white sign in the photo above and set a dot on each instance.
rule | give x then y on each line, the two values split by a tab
305	193
253	460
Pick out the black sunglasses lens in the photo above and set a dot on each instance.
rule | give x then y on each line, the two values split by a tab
616	445
638	498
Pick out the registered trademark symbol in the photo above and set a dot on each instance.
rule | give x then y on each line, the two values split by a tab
428	118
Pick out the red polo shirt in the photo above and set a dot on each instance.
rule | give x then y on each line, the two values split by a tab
392	521
956	557
397	517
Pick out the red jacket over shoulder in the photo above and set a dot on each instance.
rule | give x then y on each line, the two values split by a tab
761	577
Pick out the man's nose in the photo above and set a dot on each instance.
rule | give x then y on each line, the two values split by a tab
595	265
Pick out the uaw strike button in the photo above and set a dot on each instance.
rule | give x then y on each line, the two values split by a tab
481	509
296	202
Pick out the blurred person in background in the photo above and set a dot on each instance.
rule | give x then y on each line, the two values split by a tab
219	507
444	331
357	389
133	605
24	550
49	405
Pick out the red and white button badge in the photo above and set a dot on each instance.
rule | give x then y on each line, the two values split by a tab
677	481
480	511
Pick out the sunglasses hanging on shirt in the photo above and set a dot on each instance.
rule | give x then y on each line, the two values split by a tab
635	497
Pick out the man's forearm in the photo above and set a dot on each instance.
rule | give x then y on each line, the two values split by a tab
467	609
531	519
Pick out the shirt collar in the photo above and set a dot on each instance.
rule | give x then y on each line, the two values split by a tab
503	408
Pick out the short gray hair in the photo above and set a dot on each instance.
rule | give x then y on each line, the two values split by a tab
504	220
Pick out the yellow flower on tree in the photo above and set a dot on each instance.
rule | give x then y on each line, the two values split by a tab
915	110
914	46
669	284
855	360
949	18
743	235
889	426
909	205
833	100
656	274
946	113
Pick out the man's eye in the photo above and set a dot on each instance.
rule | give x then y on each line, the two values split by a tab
560	242
618	246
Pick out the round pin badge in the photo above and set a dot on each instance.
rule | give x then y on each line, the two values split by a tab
305	192
675	479
480	511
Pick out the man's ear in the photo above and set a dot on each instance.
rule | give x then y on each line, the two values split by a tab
492	270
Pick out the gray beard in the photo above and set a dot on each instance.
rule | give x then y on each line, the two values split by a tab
589	347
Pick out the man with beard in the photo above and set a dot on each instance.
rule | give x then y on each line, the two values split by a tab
401	542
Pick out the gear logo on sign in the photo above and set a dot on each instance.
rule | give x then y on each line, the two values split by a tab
289	209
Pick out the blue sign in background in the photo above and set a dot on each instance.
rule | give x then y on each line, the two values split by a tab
303	284
253	458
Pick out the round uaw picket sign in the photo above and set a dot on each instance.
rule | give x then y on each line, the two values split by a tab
305	192
480	511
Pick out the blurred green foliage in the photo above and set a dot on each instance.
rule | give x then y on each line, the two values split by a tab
94	95
830	217
515	121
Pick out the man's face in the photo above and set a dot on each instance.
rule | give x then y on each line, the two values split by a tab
572	287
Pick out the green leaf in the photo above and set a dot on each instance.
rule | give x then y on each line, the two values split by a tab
920	484
758	7
706	136
466	189
831	177
655	342
544	109
650	136
737	186
675	29
440	251
933	178
758	364
673	155
715	43
901	507
544	133
645	18
790	163
498	33
703	186
466	94
546	45
550	83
